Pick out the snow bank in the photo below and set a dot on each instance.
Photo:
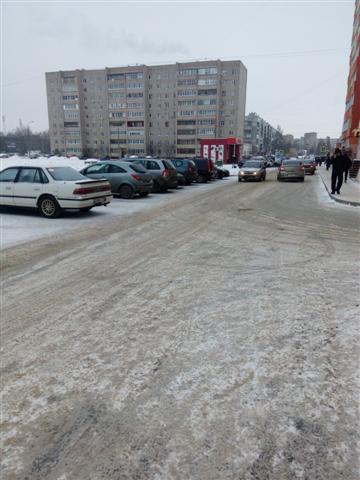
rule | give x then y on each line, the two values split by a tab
74	162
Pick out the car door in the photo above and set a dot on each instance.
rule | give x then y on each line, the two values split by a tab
116	175
7	179
27	187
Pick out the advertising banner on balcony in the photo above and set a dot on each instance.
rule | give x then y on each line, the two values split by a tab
213	152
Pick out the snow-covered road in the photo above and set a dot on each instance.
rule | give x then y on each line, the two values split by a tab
209	339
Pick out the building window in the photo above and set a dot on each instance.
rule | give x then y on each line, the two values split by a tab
207	81
208	71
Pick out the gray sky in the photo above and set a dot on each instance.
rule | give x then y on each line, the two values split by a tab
296	53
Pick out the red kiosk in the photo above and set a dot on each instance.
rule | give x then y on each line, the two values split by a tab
226	150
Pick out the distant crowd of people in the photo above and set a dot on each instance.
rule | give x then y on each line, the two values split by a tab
341	163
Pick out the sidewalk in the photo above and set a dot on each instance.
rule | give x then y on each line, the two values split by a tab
350	191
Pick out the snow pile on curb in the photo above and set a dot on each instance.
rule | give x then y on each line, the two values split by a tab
73	162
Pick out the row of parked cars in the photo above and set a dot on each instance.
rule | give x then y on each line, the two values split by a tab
53	188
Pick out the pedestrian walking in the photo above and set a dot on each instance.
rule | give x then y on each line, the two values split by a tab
337	173
347	164
328	161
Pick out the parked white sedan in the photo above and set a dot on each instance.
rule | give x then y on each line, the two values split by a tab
52	189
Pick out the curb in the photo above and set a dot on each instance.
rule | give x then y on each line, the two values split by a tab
337	199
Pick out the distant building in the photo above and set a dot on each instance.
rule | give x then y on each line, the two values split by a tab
258	135
351	127
289	139
310	141
159	110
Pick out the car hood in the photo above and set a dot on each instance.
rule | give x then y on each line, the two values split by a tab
250	170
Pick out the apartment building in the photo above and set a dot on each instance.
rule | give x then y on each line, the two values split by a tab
351	126
259	134
163	110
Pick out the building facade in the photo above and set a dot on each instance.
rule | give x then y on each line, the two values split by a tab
310	141
159	110
351	126
258	135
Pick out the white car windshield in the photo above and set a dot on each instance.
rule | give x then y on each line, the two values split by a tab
65	174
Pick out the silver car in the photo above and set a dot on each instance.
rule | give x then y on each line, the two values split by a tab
292	169
252	170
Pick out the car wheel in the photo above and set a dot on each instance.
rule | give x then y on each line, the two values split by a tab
144	194
278	179
85	209
201	179
125	191
302	179
239	180
49	207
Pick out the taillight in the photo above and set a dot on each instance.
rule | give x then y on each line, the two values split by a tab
165	173
87	190
302	168
281	168
135	176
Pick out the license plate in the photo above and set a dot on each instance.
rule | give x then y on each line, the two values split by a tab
99	201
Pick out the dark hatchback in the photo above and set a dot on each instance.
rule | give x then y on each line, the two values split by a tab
187	168
206	169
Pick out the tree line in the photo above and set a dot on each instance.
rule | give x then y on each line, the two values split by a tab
23	139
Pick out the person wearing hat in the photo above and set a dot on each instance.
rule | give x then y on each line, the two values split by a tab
338	164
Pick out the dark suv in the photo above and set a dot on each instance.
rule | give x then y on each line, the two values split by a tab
206	169
187	168
163	172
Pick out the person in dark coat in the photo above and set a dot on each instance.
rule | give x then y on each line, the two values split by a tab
328	161
347	164
337	173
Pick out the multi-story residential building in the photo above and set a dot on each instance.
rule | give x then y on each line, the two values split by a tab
258	134
351	127
164	110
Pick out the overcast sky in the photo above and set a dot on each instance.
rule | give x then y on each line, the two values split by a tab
296	53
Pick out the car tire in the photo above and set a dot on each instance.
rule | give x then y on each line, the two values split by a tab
125	191
278	179
144	194
201	179
49	207
302	179
239	180
85	209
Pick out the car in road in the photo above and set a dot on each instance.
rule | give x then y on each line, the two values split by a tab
252	170
291	169
309	165
51	189
187	168
126	179
163	172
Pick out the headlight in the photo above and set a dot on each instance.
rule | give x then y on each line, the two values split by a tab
255	173
241	173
